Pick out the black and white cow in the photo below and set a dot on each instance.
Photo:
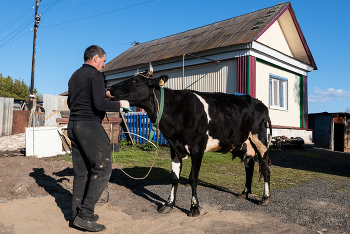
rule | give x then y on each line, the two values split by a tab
195	122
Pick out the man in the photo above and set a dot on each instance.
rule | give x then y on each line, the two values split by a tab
91	150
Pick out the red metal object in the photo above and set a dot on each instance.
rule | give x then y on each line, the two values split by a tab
20	121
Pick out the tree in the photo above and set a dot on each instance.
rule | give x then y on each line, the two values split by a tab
16	89
347	110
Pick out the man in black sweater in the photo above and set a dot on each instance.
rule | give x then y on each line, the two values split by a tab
91	150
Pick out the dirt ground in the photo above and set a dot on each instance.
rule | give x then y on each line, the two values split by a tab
35	197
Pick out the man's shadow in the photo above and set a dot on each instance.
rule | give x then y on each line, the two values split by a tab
63	197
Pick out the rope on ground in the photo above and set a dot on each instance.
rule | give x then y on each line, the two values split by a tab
154	159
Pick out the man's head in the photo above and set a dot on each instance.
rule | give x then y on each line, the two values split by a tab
95	56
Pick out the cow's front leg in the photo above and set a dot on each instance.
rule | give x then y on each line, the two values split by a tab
265	167
196	164
249	171
176	166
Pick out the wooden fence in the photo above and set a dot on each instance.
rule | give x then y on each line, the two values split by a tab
53	105
6	116
139	123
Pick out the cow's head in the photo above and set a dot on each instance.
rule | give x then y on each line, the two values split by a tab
137	89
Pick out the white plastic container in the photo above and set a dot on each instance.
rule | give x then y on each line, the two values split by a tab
47	141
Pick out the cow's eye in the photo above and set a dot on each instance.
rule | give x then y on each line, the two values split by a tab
135	82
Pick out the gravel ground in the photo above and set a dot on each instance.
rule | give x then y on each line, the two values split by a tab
322	205
12	142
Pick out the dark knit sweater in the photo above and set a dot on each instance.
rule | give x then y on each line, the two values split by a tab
87	96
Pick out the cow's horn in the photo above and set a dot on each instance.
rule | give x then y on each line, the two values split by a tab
150	72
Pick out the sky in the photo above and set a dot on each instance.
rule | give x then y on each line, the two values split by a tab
68	27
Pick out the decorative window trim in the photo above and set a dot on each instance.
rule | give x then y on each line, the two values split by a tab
279	84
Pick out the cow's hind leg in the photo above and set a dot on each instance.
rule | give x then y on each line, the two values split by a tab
176	166
260	144
249	171
265	170
196	164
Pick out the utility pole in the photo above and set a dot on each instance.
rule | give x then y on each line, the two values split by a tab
36	24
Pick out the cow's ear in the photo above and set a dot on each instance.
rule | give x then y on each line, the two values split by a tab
160	81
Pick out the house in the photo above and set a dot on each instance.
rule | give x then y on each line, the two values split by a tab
262	53
331	130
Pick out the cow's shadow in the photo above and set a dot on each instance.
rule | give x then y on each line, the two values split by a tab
140	187
63	197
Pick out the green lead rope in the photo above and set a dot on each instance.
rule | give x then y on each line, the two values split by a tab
155	125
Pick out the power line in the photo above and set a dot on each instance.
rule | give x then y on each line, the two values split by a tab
19	29
50	6
5	43
12	36
98	14
14	20
71	7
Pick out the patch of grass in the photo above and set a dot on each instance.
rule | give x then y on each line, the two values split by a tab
65	157
217	170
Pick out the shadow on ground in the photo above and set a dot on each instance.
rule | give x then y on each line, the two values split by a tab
62	196
139	187
316	160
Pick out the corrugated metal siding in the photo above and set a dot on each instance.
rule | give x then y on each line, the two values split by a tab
221	77
6	116
252	76
233	31
242	75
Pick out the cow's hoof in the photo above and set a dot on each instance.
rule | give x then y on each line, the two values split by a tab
243	195
265	201
165	209
194	212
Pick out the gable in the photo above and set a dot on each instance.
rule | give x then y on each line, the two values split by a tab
274	38
293	37
285	35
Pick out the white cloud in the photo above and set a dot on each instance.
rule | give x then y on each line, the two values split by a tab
328	95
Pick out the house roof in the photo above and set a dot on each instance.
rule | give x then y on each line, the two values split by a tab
64	94
238	30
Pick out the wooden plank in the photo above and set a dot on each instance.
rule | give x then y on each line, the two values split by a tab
126	129
347	137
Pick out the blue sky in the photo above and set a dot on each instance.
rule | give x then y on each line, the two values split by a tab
67	27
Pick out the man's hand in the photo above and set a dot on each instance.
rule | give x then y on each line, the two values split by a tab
108	94
124	104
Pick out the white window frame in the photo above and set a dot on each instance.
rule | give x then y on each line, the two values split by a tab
278	93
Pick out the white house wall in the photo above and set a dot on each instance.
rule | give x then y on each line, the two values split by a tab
290	117
219	77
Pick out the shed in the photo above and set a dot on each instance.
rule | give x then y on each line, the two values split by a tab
331	130
262	53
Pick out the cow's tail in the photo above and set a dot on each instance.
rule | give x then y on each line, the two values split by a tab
267	158
270	136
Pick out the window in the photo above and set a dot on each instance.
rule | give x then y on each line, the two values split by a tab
278	93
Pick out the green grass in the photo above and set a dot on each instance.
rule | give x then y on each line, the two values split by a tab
217	170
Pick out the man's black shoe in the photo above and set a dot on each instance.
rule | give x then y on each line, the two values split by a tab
91	226
94	218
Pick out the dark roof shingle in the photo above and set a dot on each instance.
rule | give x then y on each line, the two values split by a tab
237	30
